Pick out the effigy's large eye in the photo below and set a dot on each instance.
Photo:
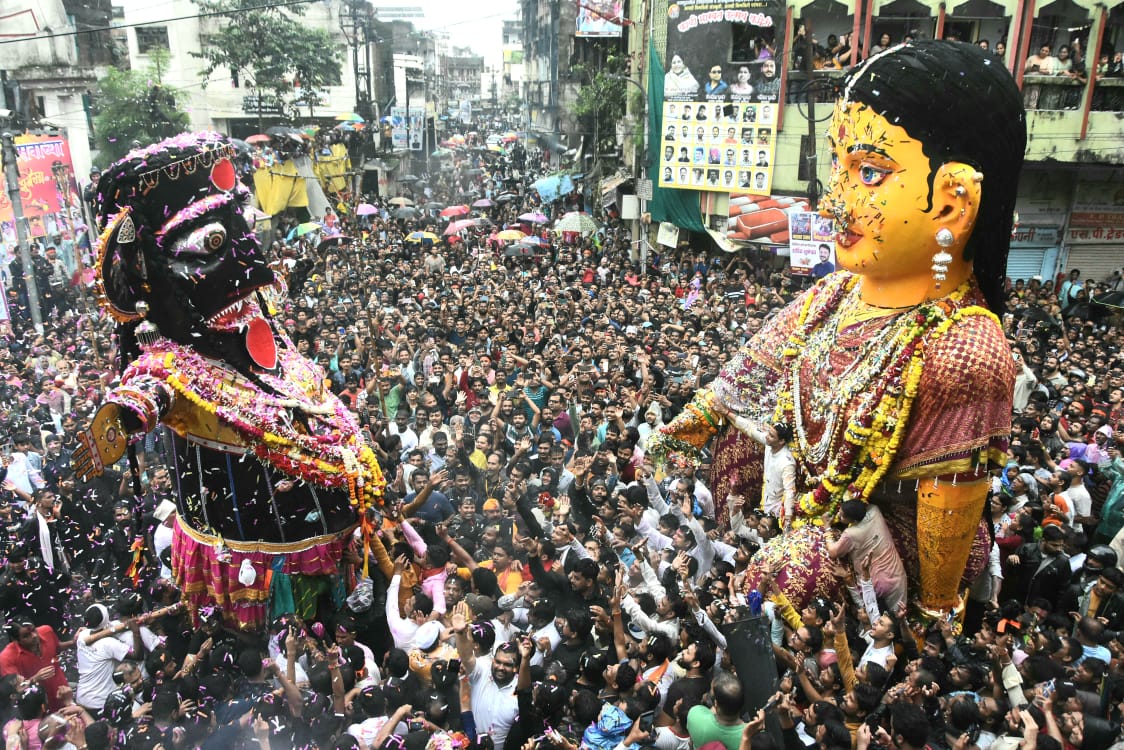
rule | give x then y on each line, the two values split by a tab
205	240
215	239
871	175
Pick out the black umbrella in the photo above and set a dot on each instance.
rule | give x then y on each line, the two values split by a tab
335	239
519	251
1038	319
282	131
506	198
406	212
1114	299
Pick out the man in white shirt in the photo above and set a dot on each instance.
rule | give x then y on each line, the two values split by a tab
779	494
1076	495
99	655
418	607
492	679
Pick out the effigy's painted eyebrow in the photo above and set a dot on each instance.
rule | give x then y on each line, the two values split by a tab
868	148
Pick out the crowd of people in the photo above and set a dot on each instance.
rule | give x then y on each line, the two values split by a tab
536	581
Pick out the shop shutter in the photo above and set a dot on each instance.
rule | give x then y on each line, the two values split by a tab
1096	262
1025	263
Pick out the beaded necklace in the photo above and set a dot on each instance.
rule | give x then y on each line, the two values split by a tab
331	454
866	412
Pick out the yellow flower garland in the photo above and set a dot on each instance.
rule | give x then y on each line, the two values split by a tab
877	445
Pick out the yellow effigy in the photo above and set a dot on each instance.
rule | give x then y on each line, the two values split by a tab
893	375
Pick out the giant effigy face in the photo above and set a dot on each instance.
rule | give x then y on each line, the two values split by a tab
176	238
879	193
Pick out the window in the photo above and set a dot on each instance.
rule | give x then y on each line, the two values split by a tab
150	38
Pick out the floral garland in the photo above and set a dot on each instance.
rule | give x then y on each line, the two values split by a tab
692	430
871	437
336	457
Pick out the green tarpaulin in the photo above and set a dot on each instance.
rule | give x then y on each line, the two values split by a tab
680	207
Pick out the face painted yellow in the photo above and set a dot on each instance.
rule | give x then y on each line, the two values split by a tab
879	198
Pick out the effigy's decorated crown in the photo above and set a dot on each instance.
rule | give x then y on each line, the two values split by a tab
149	189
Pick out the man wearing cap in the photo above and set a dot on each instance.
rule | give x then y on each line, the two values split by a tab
99	654
165	515
428	650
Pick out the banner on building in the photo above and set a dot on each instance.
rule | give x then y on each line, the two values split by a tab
407	132
599	17
49	193
811	244
762	219
721	94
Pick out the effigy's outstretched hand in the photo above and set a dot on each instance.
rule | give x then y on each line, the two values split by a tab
101	444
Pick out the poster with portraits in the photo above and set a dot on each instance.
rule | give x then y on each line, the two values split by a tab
729	150
811	244
722	93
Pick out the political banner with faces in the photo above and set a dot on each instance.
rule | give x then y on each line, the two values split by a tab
730	149
722	92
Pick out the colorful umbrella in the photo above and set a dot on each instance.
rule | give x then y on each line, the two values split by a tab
576	221
401	201
348	117
534	217
510	234
259	138
497	149
366	209
300	230
457	139
454	211
509	136
533	240
422	237
483	203
459	226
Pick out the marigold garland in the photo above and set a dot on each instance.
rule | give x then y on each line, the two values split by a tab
337	457
864	447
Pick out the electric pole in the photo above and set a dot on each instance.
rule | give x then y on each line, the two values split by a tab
12	177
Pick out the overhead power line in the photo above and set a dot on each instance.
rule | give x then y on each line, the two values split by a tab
116	26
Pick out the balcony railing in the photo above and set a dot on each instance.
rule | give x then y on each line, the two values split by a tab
1052	92
821	88
1039	92
1108	95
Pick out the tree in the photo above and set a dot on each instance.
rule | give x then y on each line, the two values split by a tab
600	104
134	105
270	48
